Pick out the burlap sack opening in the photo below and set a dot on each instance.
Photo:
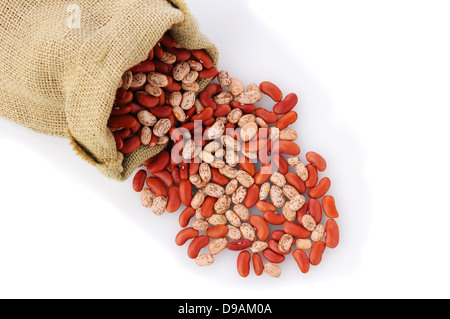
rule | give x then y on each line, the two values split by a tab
59	76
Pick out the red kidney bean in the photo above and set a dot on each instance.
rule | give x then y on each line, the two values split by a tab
196	245
273	257
157	186
239	245
300	213
267	116
277	234
146	100
208	73
280	163
316	253
329	207
243	263
302	260
252	196
208	206
286	147
173	201
139	180
263	174
286	120
245	108
119	142
186	216
286	105
262	228
274	218
185	234
295	230
126	121
332	233
121	111
218	178
217	231
295	181
222	110
181	54
213	89
315	210
203	57
258	265
270	89
186	192
317	160
160	163
206	100
168	41
161	111
264	206
145	66
313	176
131	144
320	189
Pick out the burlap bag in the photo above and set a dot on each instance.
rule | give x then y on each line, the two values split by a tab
61	63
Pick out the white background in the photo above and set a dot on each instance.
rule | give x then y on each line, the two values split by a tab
373	79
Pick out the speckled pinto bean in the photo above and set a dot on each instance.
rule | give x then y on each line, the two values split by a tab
275	246
225	154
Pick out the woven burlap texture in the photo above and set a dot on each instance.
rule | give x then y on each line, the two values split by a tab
59	76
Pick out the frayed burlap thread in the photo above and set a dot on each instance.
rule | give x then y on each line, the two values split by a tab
59	77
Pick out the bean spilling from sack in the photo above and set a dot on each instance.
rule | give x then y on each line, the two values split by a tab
233	167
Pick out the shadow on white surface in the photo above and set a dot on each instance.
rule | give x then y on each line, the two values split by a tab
253	59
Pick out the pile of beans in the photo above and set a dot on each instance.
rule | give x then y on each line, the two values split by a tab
150	101
225	157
